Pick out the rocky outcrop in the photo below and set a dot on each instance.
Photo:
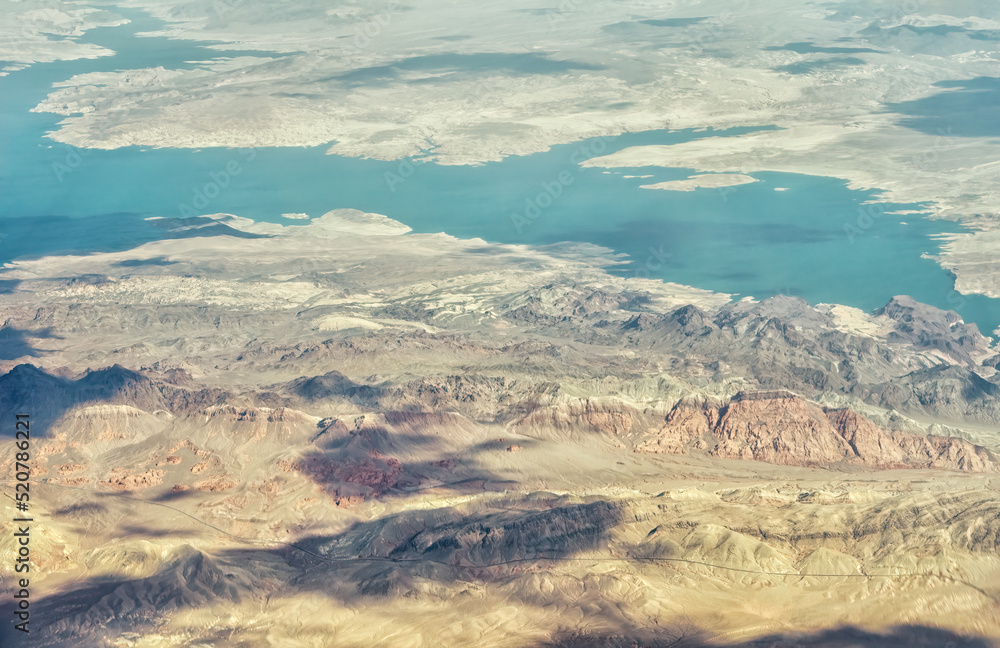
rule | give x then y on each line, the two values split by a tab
187	579
129	480
784	343
927	327
780	428
868	441
568	417
949	392
689	423
349	482
495	539
27	388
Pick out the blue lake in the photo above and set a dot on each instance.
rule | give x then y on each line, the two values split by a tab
793	234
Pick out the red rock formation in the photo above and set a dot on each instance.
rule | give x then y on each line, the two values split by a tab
872	445
780	428
688	423
368	473
610	418
216	484
946	452
374	476
122	479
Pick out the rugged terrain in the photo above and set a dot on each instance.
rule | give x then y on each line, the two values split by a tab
344	434
339	433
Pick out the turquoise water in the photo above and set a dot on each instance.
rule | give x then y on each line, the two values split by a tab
793	234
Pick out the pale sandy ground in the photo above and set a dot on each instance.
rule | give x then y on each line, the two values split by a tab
710	181
821	548
27	29
689	545
975	259
723	552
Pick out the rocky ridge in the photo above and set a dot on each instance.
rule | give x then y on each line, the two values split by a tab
779	427
367	446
